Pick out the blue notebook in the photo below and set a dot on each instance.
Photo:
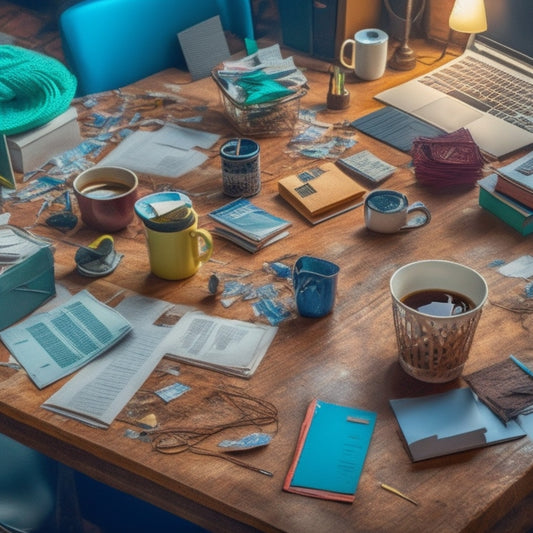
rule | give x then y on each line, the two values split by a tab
331	451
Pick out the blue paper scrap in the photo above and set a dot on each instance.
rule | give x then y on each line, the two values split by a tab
172	391
253	440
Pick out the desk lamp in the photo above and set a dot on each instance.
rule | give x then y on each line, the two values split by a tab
404	58
467	16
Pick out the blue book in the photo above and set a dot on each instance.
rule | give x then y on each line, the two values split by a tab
248	225
330	452
450	422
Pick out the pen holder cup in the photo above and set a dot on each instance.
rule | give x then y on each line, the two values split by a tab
336	102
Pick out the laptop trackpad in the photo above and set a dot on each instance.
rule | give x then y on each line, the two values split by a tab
447	113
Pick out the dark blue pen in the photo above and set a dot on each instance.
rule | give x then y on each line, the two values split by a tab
521	365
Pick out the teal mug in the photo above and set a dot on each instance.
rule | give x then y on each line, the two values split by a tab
315	286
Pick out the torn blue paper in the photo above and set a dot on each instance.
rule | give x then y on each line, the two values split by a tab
254	440
273	311
519	268
529	290
172	392
279	269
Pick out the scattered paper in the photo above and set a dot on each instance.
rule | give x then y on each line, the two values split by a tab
98	393
519	268
204	46
52	345
167	152
230	346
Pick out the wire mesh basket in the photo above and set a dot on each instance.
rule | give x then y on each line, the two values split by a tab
269	119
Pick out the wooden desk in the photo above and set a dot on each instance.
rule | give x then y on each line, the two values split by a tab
348	357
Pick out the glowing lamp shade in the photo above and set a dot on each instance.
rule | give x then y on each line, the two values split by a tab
468	16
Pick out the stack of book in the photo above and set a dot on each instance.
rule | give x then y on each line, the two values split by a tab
248	225
322	192
508	194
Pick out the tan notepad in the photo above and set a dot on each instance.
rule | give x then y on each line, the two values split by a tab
321	192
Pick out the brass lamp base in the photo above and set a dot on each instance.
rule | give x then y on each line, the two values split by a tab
403	59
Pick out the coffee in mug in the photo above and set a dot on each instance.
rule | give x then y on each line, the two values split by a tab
106	197
388	211
438	302
436	307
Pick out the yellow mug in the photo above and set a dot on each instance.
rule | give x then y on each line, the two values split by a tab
178	254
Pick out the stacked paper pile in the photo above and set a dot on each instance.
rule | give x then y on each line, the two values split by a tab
448	161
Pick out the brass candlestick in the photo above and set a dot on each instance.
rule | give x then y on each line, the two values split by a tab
404	58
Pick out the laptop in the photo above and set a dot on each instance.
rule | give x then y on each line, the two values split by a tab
488	89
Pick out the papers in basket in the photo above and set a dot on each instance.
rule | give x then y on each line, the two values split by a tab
274	71
229	346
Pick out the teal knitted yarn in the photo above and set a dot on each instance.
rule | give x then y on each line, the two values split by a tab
34	89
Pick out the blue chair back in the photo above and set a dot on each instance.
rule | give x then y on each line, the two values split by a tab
111	43
27	488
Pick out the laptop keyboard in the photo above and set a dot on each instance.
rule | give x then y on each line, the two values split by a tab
487	88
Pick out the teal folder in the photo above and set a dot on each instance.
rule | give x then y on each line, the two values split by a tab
331	451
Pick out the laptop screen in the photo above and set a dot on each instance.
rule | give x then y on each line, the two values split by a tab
509	27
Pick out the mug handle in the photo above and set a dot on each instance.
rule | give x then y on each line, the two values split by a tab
204	238
341	54
418	220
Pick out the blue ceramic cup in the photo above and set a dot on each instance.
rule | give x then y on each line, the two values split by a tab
315	286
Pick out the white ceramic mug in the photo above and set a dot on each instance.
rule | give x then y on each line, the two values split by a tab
369	53
389	211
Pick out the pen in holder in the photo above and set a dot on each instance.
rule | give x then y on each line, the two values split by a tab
338	97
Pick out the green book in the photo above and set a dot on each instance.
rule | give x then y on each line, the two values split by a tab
516	215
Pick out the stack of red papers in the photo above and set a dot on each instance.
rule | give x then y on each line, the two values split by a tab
448	161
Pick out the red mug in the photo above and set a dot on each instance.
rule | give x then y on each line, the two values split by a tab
106	197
